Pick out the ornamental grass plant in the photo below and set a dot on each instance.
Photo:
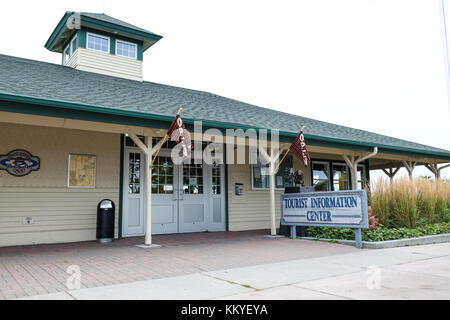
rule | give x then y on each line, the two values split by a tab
405	203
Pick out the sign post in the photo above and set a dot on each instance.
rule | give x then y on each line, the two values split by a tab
341	209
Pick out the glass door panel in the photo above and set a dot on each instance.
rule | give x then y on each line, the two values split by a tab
194	213
165	195
133	202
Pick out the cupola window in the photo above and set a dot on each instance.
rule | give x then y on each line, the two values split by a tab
66	54
73	45
126	49
98	43
70	49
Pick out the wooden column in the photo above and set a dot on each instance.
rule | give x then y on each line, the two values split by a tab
409	165
149	152
352	163
433	167
272	159
148	189
391	173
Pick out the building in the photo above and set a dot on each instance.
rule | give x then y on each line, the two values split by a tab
64	145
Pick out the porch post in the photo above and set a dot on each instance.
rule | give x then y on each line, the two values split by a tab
391	173
352	163
272	159
148	151
409	165
273	228
433	167
148	189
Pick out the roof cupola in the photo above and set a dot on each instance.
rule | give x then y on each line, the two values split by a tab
96	42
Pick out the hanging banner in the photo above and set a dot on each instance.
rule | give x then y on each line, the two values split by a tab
298	147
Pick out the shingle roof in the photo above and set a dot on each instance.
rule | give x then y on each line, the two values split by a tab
43	80
109	19
96	21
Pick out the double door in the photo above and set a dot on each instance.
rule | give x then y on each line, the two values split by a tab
185	198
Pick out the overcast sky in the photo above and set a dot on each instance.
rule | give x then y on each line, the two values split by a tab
376	65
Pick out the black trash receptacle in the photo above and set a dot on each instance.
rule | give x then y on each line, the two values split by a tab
105	220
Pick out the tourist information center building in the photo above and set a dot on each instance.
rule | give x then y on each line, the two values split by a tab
65	144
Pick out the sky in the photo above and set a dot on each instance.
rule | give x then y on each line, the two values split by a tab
376	65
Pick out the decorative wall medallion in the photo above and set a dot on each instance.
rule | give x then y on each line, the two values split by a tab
19	163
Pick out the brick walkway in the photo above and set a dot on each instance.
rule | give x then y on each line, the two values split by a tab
41	269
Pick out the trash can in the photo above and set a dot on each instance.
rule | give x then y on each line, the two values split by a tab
105	220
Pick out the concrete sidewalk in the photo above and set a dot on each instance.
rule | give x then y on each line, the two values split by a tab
420	272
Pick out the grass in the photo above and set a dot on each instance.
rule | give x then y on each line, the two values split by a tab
410	203
403	208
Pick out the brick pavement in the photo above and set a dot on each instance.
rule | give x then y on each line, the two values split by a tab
41	269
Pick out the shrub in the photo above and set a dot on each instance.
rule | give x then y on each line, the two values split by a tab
379	234
373	221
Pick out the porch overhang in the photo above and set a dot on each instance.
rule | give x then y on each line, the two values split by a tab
19	104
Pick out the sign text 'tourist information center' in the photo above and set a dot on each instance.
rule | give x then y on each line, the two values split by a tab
344	209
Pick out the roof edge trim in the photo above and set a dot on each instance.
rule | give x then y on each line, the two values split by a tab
96	23
223	125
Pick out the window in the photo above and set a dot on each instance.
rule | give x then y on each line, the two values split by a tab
70	49
340	177
321	174
66	54
216	179
169	144
134	173
192	178
130	143
98	43
73	45
361	176
283	178
126	49
162	176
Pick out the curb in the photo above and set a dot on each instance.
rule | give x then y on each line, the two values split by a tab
439	238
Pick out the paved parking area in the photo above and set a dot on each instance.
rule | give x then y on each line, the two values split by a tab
41	269
404	273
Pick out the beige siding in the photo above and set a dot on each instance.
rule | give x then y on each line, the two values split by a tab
58	213
107	64
252	210
73	60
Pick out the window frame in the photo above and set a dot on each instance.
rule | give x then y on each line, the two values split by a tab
363	180
329	166
72	51
252	174
66	56
99	36
365	171
69	49
130	43
348	180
